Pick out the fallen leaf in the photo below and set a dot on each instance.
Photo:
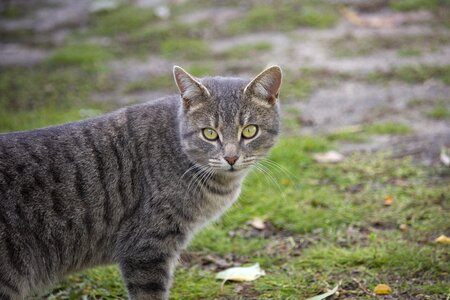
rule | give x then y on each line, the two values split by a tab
241	273
325	295
388	200
445	158
403	227
328	157
443	239
368	21
382	289
258	223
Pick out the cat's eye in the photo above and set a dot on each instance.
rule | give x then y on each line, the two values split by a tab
249	131
210	134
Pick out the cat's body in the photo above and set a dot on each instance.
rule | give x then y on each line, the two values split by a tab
130	187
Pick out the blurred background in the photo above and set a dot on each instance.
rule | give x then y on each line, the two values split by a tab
359	75
348	63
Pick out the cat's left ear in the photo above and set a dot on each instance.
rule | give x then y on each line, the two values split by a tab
266	85
191	89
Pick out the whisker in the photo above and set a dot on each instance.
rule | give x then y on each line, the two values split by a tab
266	171
279	168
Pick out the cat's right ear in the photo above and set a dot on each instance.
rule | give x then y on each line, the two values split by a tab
190	88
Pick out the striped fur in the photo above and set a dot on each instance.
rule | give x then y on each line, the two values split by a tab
130	187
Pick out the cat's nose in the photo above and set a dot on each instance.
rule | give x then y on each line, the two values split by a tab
231	159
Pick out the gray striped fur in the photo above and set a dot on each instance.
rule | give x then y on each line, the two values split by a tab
130	187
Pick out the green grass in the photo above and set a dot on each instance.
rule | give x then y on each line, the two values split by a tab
163	82
405	45
360	134
12	11
409	52
388	128
37	97
439	112
285	17
245	50
124	19
183	48
80	54
413	74
346	135
201	69
408	5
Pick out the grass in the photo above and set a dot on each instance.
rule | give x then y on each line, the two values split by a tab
388	128
37	97
340	229
183	48
405	45
285	17
245	50
12	11
413	74
409	5
164	82
439	112
80	54
359	134
122	20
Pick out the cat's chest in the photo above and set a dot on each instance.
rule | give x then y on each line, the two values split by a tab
214	202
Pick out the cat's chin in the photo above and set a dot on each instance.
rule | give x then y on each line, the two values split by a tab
233	172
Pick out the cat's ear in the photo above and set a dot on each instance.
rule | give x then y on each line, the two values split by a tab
190	88
266	85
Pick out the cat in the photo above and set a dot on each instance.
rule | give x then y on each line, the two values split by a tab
130	187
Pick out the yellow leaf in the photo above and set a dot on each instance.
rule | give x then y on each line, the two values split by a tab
403	227
443	239
388	200
382	289
258	223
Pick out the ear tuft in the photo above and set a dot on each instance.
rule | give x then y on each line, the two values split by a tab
190	88
266	85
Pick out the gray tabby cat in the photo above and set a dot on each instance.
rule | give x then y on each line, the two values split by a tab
130	187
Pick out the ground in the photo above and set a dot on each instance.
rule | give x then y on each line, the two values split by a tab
370	79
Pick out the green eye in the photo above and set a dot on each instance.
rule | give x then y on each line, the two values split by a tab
210	134
249	131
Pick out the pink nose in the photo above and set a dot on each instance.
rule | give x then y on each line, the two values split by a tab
231	159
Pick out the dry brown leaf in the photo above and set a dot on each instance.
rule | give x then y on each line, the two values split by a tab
443	239
403	227
382	289
258	223
388	200
328	157
368	21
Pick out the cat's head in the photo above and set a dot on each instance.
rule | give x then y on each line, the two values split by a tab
228	124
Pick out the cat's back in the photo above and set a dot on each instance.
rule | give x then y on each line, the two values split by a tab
152	116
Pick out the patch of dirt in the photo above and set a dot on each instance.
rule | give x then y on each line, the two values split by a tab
211	262
51	15
18	55
220	16
249	231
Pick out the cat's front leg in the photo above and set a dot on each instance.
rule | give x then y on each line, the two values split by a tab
148	277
